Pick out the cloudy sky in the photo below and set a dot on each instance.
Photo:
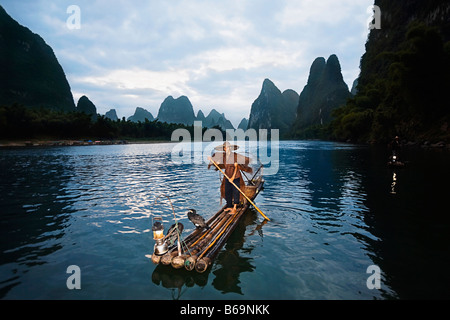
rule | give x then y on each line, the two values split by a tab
135	53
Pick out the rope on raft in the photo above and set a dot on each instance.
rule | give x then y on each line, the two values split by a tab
181	242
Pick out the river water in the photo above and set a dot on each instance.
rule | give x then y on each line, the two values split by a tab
336	210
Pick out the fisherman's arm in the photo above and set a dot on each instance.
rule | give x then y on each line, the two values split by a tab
235	172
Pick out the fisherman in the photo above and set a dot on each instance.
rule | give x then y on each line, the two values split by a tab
232	163
395	146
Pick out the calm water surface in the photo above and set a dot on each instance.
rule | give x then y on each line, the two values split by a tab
335	210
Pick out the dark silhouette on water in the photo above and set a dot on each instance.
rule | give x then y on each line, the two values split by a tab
197	219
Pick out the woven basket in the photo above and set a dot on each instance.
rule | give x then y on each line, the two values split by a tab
250	191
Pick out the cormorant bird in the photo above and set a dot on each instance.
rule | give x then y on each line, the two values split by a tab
172	237
197	219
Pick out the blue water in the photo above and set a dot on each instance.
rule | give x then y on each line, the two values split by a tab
333	207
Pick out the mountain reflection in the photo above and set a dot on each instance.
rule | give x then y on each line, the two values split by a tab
34	212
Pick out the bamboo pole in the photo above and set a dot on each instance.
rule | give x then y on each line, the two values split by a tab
251	202
204	262
225	230
156	259
202	265
207	242
198	232
178	261
189	265
193	247
221	220
226	235
202	243
167	258
217	237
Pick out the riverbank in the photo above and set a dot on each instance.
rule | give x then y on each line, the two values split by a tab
441	145
70	142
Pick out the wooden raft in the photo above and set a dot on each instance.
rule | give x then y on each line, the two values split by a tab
202	245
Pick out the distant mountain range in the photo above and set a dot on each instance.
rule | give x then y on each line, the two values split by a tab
292	113
141	115
324	92
273	109
176	111
112	115
180	110
401	89
86	106
213	119
32	76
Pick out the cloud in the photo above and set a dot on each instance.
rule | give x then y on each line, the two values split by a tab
131	79
218	53
313	12
248	57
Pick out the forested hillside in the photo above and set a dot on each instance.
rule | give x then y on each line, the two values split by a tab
405	77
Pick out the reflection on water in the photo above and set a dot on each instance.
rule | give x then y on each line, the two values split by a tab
394	182
230	262
33	217
178	281
332	215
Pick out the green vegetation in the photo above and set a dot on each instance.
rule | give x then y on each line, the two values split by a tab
324	92
404	92
273	109
19	122
403	84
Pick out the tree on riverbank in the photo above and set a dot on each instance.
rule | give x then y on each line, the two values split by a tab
20	122
409	98
405	76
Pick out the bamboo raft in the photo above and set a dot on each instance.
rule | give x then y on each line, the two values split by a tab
200	247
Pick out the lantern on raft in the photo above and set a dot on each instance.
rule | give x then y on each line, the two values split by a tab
158	235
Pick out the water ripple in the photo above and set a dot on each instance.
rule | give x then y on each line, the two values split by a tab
93	206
